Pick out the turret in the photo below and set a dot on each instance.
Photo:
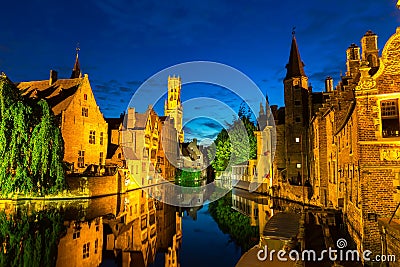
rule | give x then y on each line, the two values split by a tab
370	51
353	60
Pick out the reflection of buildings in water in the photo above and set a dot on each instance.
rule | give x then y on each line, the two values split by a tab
260	208
169	233
143	228
131	230
131	235
190	211
82	244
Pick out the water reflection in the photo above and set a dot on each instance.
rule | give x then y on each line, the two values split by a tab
120	230
132	229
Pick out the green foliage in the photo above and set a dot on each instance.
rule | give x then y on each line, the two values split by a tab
30	239
237	144
187	178
234	223
31	145
222	151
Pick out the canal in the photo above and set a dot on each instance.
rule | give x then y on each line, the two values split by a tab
130	229
133	229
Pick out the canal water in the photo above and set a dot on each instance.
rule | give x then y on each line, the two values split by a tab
130	229
133	229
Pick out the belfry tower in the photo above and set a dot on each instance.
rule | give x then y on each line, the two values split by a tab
173	106
296	93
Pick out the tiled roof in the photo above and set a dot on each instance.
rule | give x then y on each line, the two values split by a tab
59	95
141	120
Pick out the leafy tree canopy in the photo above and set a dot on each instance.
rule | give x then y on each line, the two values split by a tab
236	144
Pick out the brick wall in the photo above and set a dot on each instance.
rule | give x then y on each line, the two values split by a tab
97	185
76	128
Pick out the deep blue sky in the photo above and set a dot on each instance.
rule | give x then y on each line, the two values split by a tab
125	42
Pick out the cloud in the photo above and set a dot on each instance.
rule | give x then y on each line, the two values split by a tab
125	89
134	83
212	125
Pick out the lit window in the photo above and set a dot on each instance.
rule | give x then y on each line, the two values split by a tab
390	118
101	138
297	140
81	158
101	158
298	165
86	250
92	137
96	245
76	235
85	112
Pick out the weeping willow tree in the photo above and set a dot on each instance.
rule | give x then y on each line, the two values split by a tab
30	239
31	145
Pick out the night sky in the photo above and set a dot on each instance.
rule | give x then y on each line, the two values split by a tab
125	42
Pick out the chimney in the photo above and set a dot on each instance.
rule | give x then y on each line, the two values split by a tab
131	118
328	84
53	77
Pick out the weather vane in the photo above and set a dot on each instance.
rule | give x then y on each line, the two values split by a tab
77	48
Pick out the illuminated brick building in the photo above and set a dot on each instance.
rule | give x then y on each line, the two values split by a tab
345	141
83	127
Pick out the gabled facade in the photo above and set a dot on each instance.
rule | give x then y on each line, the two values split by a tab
141	143
82	124
343	145
356	141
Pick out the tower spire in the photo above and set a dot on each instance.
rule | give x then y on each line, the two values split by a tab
295	67
76	71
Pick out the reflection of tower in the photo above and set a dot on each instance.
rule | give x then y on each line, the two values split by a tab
173	106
